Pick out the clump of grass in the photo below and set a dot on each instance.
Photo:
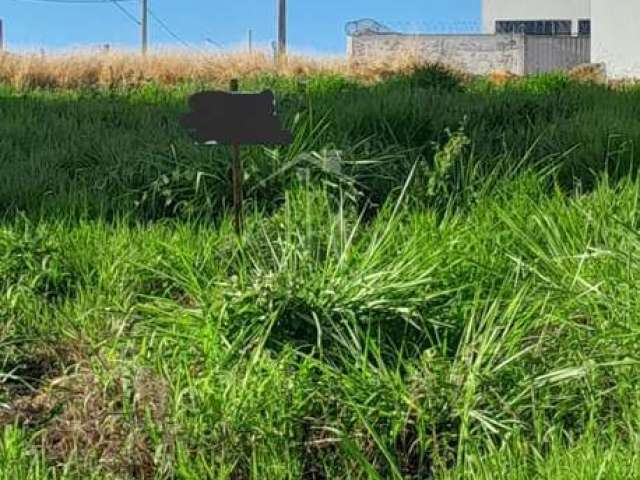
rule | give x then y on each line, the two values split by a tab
436	77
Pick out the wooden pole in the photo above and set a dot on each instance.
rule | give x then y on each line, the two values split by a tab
237	177
250	41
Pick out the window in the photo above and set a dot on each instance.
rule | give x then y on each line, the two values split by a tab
584	27
534	27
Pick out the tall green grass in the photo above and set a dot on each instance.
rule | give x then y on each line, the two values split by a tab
435	281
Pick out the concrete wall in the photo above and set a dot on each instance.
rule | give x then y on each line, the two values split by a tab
573	10
615	36
477	54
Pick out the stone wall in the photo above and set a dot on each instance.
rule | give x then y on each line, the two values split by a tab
476	54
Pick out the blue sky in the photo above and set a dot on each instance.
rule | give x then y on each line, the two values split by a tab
315	26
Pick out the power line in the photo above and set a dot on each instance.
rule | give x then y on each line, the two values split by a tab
115	3
214	43
168	30
129	15
76	1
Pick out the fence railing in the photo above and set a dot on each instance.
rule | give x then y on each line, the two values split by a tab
550	53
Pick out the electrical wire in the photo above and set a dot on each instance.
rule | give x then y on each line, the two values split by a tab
77	1
214	43
115	3
131	17
168	30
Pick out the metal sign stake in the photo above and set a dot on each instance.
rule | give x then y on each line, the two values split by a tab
237	176
238	180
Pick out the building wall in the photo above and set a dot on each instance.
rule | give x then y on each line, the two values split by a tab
574	10
476	54
615	36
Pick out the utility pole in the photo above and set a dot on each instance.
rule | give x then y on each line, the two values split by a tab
282	28
250	41
145	26
1	36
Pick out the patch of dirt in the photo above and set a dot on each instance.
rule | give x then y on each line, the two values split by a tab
27	376
109	424
318	443
29	369
106	423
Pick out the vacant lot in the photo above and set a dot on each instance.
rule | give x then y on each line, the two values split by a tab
438	279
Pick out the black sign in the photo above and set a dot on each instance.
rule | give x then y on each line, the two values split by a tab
233	118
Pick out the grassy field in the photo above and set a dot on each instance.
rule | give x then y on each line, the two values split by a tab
438	279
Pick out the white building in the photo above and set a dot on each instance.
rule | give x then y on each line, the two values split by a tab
614	26
535	16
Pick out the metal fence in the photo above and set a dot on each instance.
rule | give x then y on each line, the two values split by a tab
550	53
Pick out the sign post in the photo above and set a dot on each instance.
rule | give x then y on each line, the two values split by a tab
237	176
238	181
235	119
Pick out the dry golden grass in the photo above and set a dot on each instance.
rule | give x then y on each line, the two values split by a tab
501	77
119	69
589	73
